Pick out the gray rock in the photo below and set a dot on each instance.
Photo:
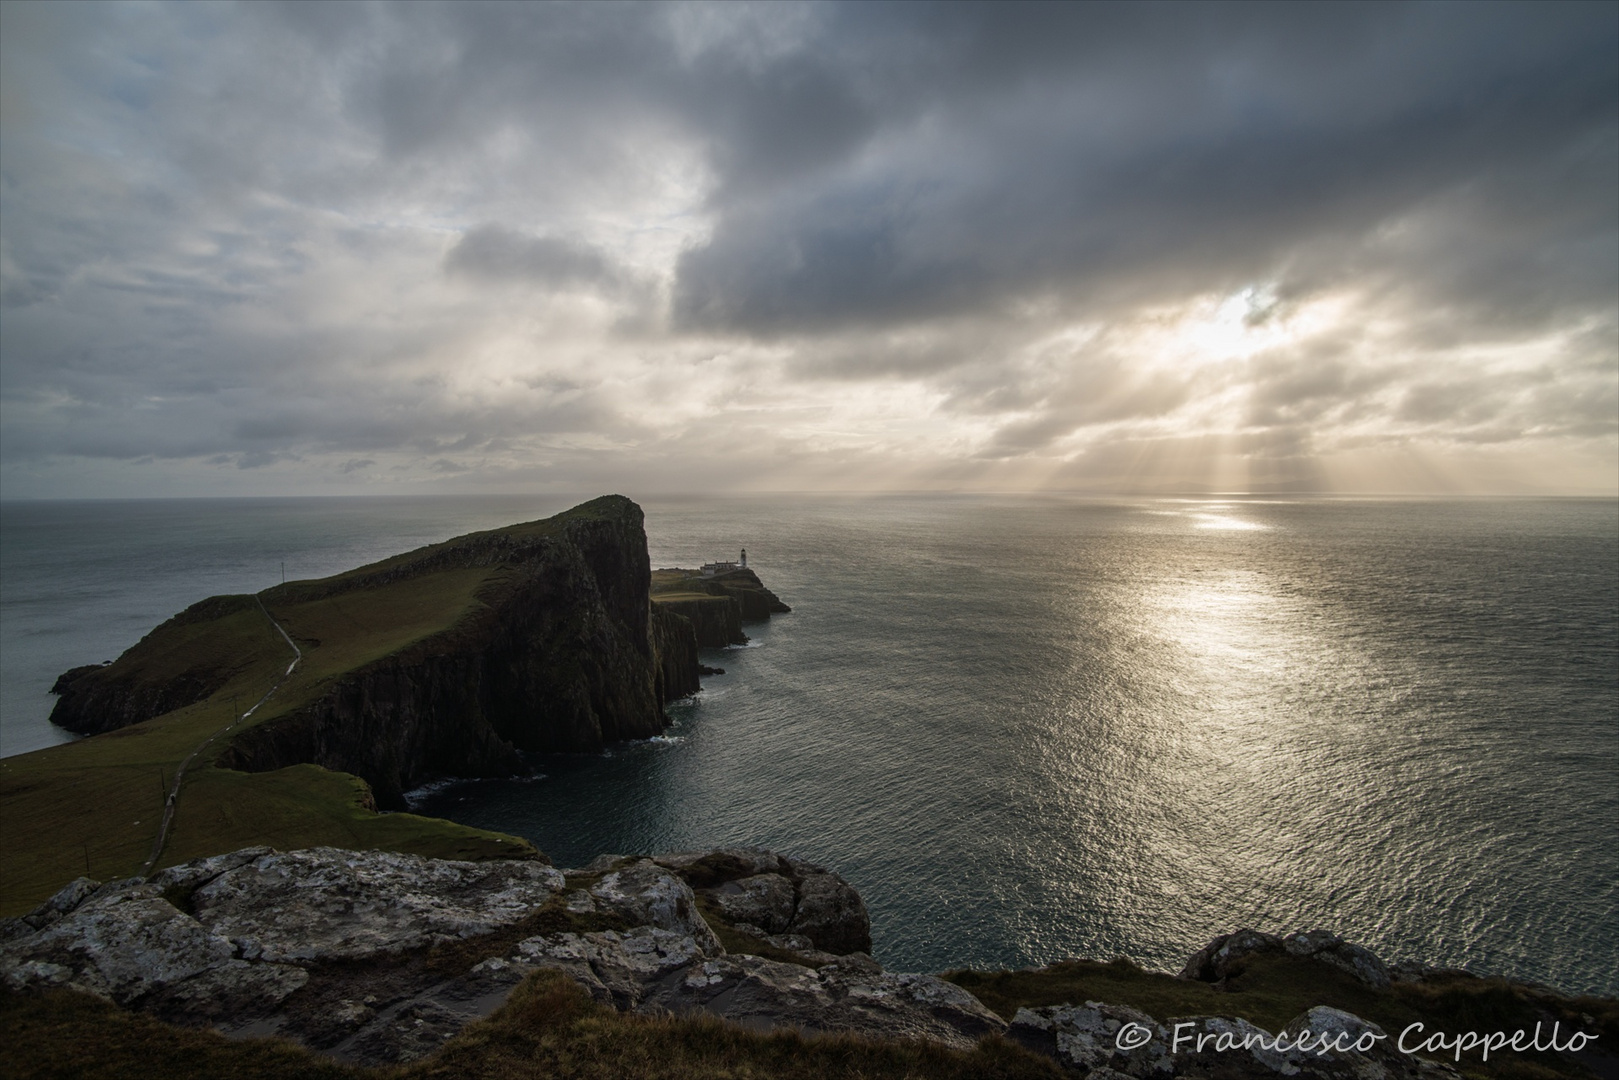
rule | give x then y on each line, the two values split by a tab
806	952
1225	1044
767	901
1217	959
1226	955
187	877
330	947
259	920
754	887
856	962
648	894
766	995
418	1025
601	864
330	904
1382	1056
616	968
67	898
132	946
1321	1044
706	868
1331	949
830	913
1088	1038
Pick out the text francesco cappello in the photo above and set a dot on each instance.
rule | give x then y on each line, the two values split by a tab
1415	1039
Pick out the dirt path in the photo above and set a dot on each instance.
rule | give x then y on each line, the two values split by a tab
172	802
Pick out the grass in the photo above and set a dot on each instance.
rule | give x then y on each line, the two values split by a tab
308	806
681	596
548	1028
69	1036
682	586
92	807
1273	989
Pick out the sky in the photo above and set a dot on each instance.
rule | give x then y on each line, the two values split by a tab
270	249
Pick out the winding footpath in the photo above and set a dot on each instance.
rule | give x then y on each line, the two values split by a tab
172	802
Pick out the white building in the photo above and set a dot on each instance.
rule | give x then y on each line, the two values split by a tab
709	569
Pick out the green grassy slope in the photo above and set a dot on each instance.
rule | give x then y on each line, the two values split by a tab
92	807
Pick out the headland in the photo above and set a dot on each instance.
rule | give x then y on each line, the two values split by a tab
451	661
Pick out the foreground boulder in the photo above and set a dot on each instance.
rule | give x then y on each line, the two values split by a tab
224	938
1087	1039
767	895
375	957
1104	1041
1321	1044
1227	955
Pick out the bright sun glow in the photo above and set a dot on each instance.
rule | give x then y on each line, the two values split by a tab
1217	329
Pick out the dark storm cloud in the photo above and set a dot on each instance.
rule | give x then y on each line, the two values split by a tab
490	251
1136	148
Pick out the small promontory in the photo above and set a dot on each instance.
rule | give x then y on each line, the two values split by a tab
716	604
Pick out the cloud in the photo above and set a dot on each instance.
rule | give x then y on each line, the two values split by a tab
939	244
493	253
1224	163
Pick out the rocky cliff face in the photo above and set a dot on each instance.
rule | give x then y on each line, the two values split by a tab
716	621
674	643
560	652
561	657
716	606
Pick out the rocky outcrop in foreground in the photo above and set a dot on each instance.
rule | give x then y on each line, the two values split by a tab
374	957
1227	954
1102	1041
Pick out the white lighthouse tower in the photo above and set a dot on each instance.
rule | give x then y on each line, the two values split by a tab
742	563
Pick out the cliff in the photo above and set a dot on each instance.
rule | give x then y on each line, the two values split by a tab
181	662
444	661
716	606
716	621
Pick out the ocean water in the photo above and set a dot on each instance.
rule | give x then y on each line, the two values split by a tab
1034	728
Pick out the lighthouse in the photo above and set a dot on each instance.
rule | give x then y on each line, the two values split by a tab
742	563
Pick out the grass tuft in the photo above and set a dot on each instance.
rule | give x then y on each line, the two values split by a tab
548	1028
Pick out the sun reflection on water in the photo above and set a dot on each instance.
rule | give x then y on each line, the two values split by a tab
1225	522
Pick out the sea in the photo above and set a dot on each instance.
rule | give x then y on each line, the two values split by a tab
1033	728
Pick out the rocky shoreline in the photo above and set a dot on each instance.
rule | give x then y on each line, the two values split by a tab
374	957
